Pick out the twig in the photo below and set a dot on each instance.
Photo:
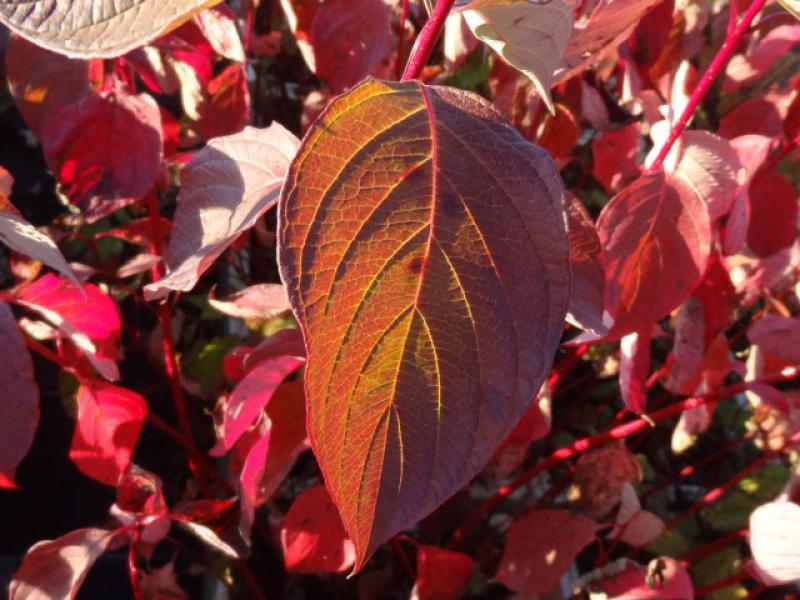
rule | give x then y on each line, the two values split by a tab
426	40
720	60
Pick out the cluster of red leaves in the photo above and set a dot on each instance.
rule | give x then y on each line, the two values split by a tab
683	255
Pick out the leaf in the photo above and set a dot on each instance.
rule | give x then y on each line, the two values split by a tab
225	188
586	260
793	6
634	368
743	69
42	82
663	579
614	157
423	246
249	397
441	574
219	28
653	226
107	429
260	301
600	475
594	37
19	409
251	476
243	359
540	547
86	317
635	526
227	110
105	149
529	36
101	28
775	542
773	214
313	538
778	336
342	41
22	237
56	569
709	165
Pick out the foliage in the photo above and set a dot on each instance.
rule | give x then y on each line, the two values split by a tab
523	320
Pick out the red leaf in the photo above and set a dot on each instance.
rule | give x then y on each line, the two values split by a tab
773	214
775	542
218	25
313	538
540	547
664	579
586	259
86	317
342	41
109	421
19	408
534	425
441	574
778	336
227	109
614	157
41	81
140	500
242	359
105	149
249	397
634	368
56	569
752	117
252	474
225	188
635	526
655	225
753	151
743	69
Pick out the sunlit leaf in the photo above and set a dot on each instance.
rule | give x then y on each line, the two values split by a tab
775	541
423	246
441	574
225	188
56	569
103	28
529	36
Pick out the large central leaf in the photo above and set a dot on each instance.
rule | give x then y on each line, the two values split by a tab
423	246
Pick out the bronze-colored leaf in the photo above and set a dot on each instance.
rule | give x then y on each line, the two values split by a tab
423	244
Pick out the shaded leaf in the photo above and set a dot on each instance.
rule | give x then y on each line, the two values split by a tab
529	36
634	368
105	149
773	214
19	409
225	188
441	574
227	109
635	526
463	258
102	28
313	538
251	476
614	157
42	82
778	336
107	429
593	37
586	259
56	569
540	547
599	477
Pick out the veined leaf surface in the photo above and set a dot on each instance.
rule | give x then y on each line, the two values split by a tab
423	246
102	28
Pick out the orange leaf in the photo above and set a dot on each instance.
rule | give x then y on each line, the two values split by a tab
423	246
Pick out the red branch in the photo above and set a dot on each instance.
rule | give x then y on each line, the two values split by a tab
616	433
720	60
168	344
423	47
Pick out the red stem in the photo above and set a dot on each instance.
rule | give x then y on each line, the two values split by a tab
698	554
426	40
616	433
168	344
714	69
401	38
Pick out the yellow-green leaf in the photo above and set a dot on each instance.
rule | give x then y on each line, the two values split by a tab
793	6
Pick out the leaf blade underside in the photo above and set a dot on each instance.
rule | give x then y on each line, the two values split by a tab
423	246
